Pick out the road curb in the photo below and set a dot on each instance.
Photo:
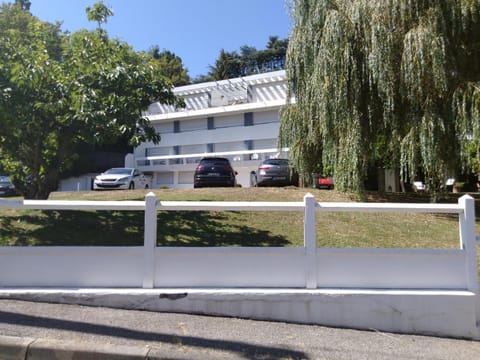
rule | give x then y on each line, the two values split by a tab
18	348
450	313
13	348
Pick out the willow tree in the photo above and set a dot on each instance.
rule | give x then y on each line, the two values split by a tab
387	83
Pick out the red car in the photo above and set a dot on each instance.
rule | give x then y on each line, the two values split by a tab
324	182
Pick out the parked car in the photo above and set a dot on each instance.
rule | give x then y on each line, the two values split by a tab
214	171
121	178
6	187
273	172
418	186
324	182
449	184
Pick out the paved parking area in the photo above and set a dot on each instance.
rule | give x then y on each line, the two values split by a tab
104	333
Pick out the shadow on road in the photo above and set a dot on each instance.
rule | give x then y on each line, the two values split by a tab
249	351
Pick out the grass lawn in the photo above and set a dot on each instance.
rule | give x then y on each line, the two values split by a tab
201	228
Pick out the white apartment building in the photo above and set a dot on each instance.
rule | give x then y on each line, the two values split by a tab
235	118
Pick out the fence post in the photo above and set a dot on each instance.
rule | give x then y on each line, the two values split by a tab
150	240
310	242
468	241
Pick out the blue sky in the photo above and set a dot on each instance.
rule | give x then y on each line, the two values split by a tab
195	30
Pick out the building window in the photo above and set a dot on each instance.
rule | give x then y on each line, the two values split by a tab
145	162
248	119
176	151
176	126
248	146
210	123
210	148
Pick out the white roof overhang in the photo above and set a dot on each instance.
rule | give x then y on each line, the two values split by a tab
220	110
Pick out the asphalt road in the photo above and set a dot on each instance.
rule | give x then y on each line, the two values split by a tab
182	336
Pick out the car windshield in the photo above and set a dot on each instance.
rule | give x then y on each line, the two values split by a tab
118	171
281	162
214	162
4	179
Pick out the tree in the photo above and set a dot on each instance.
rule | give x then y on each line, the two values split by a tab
277	46
24	4
99	13
273	57
201	79
249	61
227	66
170	66
59	90
395	84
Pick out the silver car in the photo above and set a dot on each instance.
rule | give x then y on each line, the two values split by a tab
121	178
273	172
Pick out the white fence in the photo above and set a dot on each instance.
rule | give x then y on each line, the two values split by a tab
309	267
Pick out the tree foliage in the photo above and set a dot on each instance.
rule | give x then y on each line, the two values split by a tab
227	66
59	90
249	61
99	13
390	83
170	66
24	4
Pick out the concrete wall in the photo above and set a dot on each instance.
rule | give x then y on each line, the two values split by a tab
71	266
81	183
232	267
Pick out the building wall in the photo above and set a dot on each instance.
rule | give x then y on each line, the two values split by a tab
81	183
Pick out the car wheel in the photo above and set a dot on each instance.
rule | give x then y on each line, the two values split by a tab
131	186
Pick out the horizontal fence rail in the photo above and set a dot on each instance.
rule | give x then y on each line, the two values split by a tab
230	206
389	207
72	205
150	266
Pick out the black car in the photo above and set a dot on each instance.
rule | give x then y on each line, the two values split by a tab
214	171
6	187
274	172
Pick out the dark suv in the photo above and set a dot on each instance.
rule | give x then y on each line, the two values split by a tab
214	171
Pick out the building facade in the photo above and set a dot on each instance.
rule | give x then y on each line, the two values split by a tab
236	118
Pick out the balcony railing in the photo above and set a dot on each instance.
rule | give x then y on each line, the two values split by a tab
233	156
